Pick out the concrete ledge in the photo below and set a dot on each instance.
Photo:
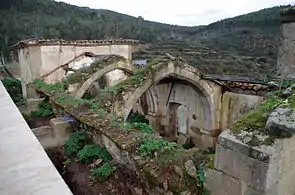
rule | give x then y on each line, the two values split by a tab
263	170
262	153
237	165
25	167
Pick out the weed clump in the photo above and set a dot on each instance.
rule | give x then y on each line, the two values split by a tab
256	119
143	127
51	88
90	153
14	88
76	142
148	147
136	117
44	109
103	172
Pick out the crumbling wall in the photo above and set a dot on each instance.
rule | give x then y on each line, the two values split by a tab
38	60
244	170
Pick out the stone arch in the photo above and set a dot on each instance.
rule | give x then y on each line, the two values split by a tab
121	65
182	74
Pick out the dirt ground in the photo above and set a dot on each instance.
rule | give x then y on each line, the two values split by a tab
78	178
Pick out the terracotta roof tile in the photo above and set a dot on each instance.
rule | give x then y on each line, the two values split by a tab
29	42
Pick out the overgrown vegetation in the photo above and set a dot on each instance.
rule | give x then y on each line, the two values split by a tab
103	172
14	88
92	152
139	136
102	113
44	110
148	147
201	180
136	117
82	146
51	88
143	127
76	142
256	119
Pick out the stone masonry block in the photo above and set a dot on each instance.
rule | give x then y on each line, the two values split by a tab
253	172
60	127
42	131
222	184
262	153
61	131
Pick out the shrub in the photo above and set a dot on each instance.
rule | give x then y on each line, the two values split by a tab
44	109
102	173
14	88
143	127
76	142
92	152
149	146
136	117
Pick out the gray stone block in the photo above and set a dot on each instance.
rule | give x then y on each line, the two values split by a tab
222	184
281	122
228	140
252	171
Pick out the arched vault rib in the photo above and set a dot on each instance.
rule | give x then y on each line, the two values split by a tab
183	73
121	65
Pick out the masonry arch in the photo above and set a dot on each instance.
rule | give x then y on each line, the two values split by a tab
121	65
180	73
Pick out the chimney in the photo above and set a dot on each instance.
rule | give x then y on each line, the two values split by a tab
286	54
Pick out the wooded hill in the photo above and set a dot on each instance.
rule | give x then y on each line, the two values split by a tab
217	48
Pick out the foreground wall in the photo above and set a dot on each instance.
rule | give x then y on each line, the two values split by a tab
25	168
244	170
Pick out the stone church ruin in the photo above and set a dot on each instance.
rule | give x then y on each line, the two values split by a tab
171	127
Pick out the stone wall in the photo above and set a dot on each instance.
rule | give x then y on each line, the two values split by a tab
177	107
25	168
54	135
244	170
235	105
39	60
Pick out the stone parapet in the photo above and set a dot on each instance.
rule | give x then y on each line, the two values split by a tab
25	168
263	170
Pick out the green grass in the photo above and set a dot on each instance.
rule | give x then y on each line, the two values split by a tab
90	153
76	142
102	173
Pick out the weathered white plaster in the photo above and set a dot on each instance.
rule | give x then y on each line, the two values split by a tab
38	60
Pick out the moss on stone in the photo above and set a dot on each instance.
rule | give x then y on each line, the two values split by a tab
59	87
256	119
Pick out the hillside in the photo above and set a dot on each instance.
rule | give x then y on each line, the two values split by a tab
217	48
253	34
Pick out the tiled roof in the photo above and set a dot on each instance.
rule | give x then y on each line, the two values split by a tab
249	86
29	42
244	83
